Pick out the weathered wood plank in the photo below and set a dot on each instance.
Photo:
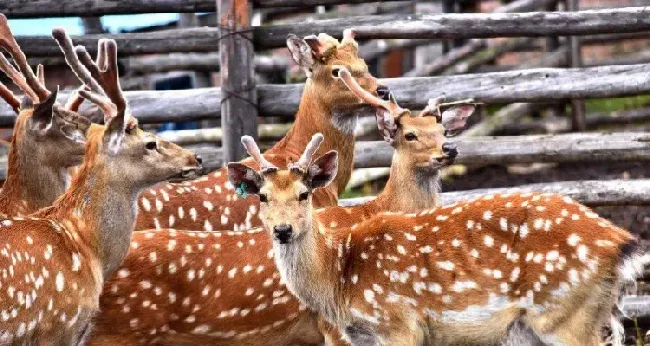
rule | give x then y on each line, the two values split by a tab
239	103
576	147
469	25
634	20
57	8
199	62
178	40
534	86
309	3
589	192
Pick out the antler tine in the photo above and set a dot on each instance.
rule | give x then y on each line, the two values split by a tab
16	77
9	96
310	150
111	78
348	34
101	54
8	42
103	102
71	58
254	151
40	73
88	62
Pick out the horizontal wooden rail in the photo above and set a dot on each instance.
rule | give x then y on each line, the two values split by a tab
200	62
469	25
572	147
534	85
630	20
58	8
589	192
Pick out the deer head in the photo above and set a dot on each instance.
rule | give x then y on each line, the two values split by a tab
421	139
322	57
144	157
285	195
45	131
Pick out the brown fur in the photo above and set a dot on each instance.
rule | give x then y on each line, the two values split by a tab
210	203
46	140
402	279
61	254
151	254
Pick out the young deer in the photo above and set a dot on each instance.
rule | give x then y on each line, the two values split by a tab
173	285
462	274
421	150
54	263
327	106
47	137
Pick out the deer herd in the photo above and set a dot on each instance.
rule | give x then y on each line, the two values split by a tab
113	236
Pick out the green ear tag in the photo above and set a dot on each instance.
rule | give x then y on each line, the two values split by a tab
241	190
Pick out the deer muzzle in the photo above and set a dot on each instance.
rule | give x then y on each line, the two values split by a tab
283	233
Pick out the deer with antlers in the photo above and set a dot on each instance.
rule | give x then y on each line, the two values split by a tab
326	106
47	138
188	287
54	262
455	275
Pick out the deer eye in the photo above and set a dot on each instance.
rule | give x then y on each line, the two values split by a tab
303	196
411	137
335	72
150	145
263	198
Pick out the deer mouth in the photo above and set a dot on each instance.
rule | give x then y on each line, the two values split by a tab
442	161
188	173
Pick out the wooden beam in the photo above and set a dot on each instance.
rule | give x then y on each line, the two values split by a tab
199	62
575	147
308	3
627	22
575	60
563	125
533	86
589	192
239	102
468	25
56	8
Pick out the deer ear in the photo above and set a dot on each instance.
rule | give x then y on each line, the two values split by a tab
455	118
245	179
301	52
115	133
70	125
323	171
42	115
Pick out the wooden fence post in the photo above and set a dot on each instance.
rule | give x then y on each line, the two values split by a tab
575	60
239	96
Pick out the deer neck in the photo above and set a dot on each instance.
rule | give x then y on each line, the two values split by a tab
313	116
409	188
311	266
101	212
31	183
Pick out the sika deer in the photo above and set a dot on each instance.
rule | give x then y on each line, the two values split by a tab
54	263
455	275
173	285
47	138
327	106
421	150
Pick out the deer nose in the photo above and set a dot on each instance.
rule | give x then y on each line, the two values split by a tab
383	92
283	233
449	149
199	159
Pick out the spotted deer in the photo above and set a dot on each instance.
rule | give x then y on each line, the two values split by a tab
421	150
54	262
461	274
187	287
326	106
47	138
